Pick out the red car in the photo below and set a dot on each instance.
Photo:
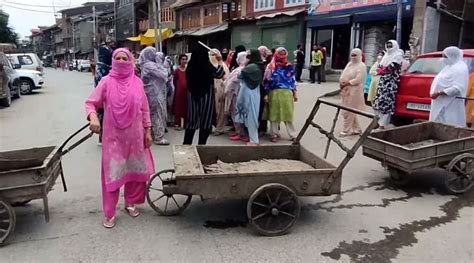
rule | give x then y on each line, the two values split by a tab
413	99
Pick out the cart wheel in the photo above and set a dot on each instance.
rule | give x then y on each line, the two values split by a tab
460	173
165	204
399	177
273	209
7	220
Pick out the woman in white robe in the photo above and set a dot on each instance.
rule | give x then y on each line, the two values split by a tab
450	83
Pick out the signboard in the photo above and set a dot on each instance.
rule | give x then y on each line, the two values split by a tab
324	6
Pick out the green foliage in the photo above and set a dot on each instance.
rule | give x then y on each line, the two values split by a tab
7	35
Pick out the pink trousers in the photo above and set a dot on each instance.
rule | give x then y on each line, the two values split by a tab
134	194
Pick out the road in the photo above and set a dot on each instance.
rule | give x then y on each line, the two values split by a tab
370	221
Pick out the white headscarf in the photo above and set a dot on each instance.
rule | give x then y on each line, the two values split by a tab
392	55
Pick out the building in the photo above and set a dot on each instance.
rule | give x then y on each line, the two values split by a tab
278	23
78	36
444	23
343	25
131	19
206	21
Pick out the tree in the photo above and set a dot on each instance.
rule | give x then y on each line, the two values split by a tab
7	34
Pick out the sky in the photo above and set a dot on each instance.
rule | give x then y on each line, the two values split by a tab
23	20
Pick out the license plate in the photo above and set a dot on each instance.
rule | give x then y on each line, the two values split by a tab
418	106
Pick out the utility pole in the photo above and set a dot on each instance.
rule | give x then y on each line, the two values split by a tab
159	25
73	41
155	23
399	21
94	28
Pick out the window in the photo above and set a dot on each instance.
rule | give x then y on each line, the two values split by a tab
262	5
433	65
167	15
25	60
289	3
211	15
191	18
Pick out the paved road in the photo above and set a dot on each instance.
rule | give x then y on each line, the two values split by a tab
371	221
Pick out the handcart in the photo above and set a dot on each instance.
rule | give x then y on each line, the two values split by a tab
405	150
27	175
272	193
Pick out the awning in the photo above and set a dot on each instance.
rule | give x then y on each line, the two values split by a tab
183	3
203	31
272	15
149	37
320	21
389	14
165	33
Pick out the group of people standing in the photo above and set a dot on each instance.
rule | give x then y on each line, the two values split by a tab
450	83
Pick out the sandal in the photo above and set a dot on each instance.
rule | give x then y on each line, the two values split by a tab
109	223
132	211
162	142
251	144
274	139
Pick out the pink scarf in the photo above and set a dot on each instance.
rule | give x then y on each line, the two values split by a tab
123	89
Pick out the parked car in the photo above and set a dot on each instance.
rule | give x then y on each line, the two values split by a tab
30	80
84	65
9	81
413	99
27	61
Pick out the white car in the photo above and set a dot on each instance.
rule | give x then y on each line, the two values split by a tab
30	80
26	61
83	65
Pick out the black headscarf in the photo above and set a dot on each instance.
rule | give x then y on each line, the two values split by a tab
252	74
233	62
199	72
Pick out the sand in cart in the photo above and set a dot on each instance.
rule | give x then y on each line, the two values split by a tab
422	143
264	165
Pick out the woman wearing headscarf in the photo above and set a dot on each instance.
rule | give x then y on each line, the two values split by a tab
233	62
219	90
232	88
126	156
155	76
181	95
248	101
352	91
375	78
389	73
281	89
266	56
170	90
450	83
200	75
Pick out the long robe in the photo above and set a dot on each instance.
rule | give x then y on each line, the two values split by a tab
353	95
180	99
452	80
374	82
124	156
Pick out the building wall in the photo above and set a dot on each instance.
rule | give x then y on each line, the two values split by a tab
431	30
279	7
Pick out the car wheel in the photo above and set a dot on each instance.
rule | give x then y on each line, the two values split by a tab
26	86
399	121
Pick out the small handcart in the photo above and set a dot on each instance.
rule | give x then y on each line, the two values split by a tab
27	175
405	150
272	206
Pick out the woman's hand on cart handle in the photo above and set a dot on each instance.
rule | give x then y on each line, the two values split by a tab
148	138
94	123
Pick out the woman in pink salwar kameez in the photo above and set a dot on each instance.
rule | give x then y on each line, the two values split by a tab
126	158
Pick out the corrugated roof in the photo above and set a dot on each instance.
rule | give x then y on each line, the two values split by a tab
203	31
271	15
183	3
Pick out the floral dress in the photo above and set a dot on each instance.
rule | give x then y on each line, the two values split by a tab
387	90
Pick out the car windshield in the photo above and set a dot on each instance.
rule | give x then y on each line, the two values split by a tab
434	65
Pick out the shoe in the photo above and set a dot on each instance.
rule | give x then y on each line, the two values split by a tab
109	223
251	144
245	139
274	139
235	138
345	134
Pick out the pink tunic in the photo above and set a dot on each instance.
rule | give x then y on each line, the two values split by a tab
124	156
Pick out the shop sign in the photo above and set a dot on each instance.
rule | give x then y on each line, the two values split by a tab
324	6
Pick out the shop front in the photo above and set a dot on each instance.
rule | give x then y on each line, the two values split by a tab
367	27
285	29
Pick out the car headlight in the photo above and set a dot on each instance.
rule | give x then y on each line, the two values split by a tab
39	74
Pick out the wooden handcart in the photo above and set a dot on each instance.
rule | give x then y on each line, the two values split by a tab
27	175
405	150
272	206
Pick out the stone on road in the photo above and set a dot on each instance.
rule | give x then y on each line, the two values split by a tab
370	221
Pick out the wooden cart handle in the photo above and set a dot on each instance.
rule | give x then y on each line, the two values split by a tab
63	151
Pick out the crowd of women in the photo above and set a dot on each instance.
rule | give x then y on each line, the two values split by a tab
384	75
135	101
252	88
